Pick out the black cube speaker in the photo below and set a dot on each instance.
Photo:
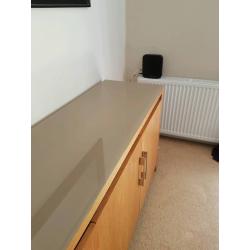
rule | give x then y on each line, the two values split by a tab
152	66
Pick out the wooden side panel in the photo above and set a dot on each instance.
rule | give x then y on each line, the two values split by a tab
90	240
114	222
150	141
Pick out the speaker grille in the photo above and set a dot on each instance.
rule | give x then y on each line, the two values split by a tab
152	66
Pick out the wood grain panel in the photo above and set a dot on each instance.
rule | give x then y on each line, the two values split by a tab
150	141
113	224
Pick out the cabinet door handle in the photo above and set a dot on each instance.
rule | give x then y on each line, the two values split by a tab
141	172
145	156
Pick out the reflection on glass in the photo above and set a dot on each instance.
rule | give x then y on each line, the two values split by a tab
76	186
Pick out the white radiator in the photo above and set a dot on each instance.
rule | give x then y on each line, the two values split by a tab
190	108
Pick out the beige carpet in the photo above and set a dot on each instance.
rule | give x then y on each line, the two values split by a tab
181	208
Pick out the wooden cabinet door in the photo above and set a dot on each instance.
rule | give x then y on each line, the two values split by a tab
150	141
114	222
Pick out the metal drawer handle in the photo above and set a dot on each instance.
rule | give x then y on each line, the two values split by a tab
141	173
145	156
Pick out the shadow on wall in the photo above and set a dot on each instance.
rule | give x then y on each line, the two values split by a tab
186	33
72	49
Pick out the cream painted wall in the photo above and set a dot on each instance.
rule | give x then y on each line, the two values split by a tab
72	49
184	32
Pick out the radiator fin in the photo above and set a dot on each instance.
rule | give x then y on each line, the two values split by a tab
190	108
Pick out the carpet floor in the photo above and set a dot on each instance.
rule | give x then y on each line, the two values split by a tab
181	208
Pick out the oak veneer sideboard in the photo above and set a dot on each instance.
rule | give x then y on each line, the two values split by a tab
113	224
92	163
